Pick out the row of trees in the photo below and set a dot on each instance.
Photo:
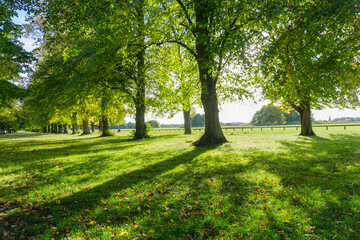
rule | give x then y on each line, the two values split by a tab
102	60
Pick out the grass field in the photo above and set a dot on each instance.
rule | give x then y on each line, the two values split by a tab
260	185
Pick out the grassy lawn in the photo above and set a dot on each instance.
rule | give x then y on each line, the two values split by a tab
261	185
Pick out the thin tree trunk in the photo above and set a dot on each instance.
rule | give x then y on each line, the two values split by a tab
48	129
74	128
305	120
55	128
45	129
92	127
105	127
86	128
60	128
66	128
187	124
52	128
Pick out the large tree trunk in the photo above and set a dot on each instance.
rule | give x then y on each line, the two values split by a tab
305	120
187	124
56	128
205	58
105	126
85	127
45	129
100	124
213	133
140	128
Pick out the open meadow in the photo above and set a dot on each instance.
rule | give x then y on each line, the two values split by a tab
260	185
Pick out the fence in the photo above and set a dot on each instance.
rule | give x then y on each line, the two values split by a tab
251	128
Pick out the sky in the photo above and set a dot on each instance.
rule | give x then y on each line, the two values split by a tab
229	112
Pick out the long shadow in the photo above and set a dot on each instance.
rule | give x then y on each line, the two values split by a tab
90	198
323	170
72	147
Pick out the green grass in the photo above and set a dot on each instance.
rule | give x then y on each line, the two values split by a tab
261	185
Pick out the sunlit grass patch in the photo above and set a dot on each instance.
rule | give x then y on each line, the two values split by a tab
260	185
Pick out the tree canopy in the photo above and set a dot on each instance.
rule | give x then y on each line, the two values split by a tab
102	60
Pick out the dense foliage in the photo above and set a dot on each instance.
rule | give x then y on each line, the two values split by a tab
99	62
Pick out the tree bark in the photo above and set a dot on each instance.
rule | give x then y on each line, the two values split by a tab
205	58
86	128
100	124
140	127
55	128
45	129
60	128
305	119
52	128
105	126
92	127
187	124
66	128
74	126
213	133
48	129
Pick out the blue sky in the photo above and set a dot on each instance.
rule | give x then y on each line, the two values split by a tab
229	112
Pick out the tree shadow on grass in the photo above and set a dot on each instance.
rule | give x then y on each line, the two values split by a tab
321	178
89	198
187	197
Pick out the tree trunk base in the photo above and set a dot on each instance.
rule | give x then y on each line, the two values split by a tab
106	134
141	137
308	134
206	141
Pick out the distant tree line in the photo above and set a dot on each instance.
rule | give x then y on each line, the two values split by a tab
346	120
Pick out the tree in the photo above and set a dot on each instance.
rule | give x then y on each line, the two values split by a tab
214	32
177	86
268	115
122	40
14	59
154	124
198	120
311	59
292	117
